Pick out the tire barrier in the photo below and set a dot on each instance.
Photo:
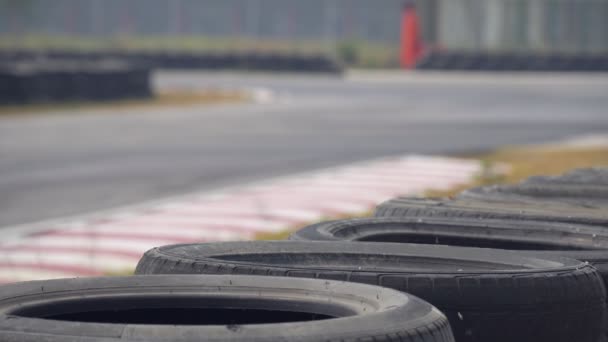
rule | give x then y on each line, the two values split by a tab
525	262
446	60
583	196
214	308
535	238
479	290
485	209
191	60
62	81
585	188
576	197
588	177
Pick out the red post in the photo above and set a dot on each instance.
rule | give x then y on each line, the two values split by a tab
411	47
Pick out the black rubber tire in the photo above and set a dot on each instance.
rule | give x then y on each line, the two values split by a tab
586	188
578	195
536	238
590	176
487	295
484	209
284	309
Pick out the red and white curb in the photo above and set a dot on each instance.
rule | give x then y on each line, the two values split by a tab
114	241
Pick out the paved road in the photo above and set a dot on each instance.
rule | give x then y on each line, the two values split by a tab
70	163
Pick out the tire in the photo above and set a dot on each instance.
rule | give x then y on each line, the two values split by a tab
535	238
214	308
487	295
533	192
585	188
582	196
484	209
591	176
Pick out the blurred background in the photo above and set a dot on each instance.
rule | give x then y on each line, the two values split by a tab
359	32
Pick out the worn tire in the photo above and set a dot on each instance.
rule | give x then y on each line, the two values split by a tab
487	295
536	238
483	209
188	308
591	176
583	196
586	188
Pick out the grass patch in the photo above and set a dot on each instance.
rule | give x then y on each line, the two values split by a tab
355	53
192	43
119	273
524	162
163	99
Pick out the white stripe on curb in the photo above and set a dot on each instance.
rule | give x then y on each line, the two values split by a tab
112	241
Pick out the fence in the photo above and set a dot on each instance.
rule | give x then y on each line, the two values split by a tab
577	26
567	26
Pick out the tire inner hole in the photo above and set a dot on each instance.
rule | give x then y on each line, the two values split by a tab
466	241
167	311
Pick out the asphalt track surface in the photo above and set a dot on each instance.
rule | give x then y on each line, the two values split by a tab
61	164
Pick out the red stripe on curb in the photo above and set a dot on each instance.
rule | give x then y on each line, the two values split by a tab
208	213
338	189
255	194
141	223
123	235
288	198
72	270
126	236
75	250
306	204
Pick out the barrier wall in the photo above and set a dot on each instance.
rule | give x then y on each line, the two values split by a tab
442	60
189	60
53	81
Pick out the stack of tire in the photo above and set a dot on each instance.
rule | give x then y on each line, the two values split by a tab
486	61
494	264
47	81
188	60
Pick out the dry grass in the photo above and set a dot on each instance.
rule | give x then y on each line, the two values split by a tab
164	99
524	162
282	235
119	273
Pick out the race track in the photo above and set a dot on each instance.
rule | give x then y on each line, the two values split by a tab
76	162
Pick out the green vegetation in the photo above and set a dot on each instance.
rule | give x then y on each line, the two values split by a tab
119	273
352	53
